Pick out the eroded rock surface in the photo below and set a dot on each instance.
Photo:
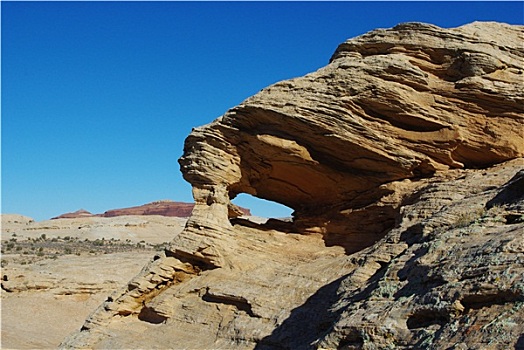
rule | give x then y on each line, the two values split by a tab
398	158
54	273
44	301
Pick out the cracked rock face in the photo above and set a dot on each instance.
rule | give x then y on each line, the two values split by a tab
400	160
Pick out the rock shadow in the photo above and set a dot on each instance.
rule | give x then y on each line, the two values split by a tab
317	316
520	343
512	192
286	226
307	322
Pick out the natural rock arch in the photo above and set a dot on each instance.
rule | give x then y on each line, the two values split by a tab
391	106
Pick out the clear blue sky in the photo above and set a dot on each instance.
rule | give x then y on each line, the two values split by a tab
98	97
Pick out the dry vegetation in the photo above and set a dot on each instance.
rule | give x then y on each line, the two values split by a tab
31	250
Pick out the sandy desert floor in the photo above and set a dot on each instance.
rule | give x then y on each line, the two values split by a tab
52	298
56	272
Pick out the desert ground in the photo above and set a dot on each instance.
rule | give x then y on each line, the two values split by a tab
56	272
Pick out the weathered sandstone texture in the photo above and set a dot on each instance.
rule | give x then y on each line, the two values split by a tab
401	160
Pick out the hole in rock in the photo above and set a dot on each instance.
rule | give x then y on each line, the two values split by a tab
514	218
264	213
479	301
345	225
238	302
353	340
426	318
151	316
263	209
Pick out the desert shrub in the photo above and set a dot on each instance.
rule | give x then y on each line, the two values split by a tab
161	246
387	288
98	243
465	219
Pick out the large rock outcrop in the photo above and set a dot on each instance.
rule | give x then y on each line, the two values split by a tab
392	105
387	156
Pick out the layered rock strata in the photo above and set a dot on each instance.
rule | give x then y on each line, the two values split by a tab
397	240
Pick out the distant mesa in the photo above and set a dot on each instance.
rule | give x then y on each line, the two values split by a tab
81	213
162	207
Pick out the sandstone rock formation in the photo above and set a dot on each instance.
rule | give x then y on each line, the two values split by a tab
164	208
392	104
400	160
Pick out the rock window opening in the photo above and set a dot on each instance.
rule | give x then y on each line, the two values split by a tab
262	210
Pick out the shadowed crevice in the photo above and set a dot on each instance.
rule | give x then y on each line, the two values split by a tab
149	315
512	192
306	323
239	303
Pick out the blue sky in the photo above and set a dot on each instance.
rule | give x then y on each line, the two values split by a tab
98	97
